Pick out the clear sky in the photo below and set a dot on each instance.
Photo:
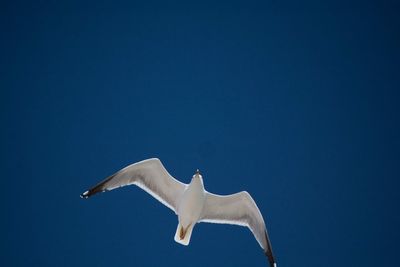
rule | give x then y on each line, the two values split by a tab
296	103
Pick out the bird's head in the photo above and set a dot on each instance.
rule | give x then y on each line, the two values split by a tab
197	175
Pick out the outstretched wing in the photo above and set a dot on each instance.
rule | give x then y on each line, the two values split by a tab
239	209
151	176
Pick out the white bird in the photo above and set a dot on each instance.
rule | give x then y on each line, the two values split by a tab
190	202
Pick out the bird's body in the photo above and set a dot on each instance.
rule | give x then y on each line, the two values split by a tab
190	209
190	202
191	205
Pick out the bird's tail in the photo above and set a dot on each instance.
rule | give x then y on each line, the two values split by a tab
183	234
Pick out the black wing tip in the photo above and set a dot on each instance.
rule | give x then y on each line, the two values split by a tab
268	252
271	259
91	192
85	195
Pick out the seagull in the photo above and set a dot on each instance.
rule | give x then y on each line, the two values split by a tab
190	202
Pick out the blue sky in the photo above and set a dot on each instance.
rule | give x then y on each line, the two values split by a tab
297	104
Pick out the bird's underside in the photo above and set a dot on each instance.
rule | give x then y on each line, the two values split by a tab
151	176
